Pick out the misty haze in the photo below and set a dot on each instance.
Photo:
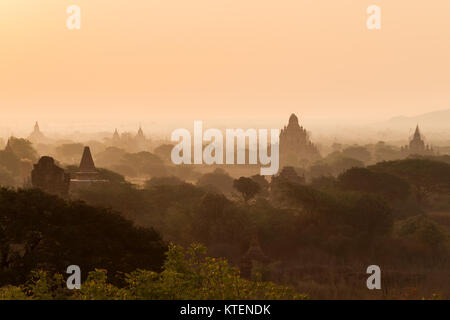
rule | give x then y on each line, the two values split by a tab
361	156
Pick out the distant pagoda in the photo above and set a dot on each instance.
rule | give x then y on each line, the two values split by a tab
87	173
295	144
37	136
417	145
130	142
87	170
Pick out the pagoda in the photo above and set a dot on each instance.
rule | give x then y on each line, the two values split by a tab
87	170
295	144
417	145
37	136
87	174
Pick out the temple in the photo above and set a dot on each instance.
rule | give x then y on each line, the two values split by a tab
87	173
129	142
296	148
46	175
37	136
417	145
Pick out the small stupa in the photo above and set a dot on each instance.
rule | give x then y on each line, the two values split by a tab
87	170
87	173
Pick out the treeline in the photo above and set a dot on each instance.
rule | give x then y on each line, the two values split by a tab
41	231
188	274
285	229
376	213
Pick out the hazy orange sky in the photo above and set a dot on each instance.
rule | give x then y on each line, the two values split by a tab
247	60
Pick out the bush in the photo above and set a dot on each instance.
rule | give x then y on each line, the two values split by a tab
187	275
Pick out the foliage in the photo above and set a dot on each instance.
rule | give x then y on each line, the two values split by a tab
144	163
263	185
423	229
70	152
187	275
333	165
38	230
426	176
247	187
22	149
164	152
161	181
367	215
218	180
6	177
358	153
389	186
10	162
109	157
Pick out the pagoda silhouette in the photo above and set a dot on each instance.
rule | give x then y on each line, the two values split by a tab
87	174
417	145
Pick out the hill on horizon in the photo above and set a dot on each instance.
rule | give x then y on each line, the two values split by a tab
435	120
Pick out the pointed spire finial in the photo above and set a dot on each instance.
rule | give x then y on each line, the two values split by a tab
293	119
417	132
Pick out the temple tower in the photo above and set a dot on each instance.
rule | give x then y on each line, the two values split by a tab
417	145
36	136
295	144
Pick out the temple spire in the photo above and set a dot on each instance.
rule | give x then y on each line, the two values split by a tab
140	131
87	163
417	133
293	120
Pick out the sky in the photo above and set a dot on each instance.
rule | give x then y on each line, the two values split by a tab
246	62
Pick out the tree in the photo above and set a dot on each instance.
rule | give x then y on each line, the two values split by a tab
145	163
263	184
389	186
368	215
358	153
38	230
342	164
422	229
158	181
320	169
287	175
218	180
371	216
22	148
385	152
164	151
110	157
70	152
426	176
6	177
247	187
187	274
10	161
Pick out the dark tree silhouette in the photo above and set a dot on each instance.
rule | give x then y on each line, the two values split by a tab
38	230
247	187
426	176
389	186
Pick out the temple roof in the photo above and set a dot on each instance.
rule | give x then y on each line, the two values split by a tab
417	133
87	163
293	119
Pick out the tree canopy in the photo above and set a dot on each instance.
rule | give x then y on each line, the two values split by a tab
38	230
